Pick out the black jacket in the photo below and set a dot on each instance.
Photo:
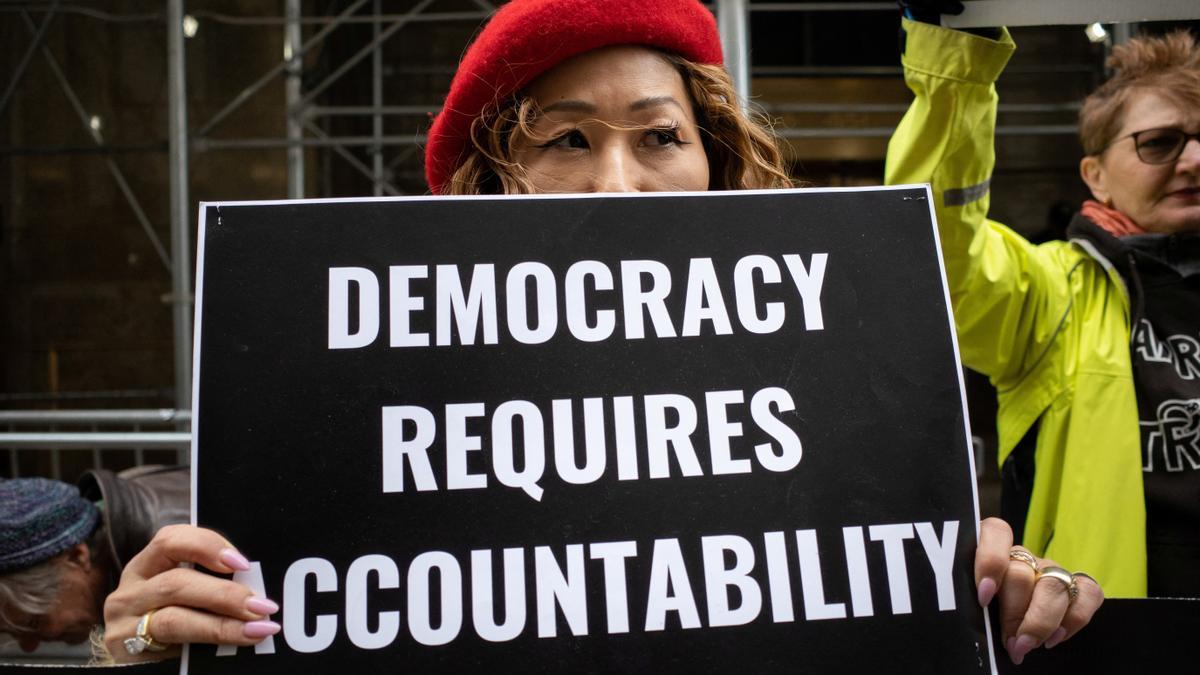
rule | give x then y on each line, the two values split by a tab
136	503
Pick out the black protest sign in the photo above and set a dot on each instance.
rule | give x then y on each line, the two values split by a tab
599	433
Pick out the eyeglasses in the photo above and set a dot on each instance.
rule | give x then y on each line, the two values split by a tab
1160	146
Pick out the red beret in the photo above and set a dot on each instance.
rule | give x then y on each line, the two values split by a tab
526	38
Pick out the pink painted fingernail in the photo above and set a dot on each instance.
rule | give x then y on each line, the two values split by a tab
1022	646
261	606
234	560
260	629
1056	637
987	591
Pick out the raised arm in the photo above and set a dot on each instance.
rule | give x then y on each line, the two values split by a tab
1008	295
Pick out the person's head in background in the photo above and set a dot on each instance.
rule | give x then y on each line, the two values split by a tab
1139	133
51	579
597	96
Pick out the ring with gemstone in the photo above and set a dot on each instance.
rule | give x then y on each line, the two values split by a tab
143	640
1024	556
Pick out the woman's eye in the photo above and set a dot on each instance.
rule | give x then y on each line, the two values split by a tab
573	139
1158	142
661	137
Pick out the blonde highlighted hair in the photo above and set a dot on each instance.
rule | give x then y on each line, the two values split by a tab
743	152
1168	66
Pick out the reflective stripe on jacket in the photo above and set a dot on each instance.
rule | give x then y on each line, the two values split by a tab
1048	324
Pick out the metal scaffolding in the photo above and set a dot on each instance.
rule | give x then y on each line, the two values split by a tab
303	112
94	431
182	300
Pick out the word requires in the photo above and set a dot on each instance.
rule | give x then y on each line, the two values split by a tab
670	422
645	287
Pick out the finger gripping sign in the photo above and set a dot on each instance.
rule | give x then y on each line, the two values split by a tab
605	433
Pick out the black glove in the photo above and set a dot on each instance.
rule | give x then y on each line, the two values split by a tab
930	11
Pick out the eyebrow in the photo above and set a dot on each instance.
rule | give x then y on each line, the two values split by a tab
570	105
574	105
654	101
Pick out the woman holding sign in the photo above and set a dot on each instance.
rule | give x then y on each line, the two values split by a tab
1092	342
584	96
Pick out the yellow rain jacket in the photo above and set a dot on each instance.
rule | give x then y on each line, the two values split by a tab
1048	324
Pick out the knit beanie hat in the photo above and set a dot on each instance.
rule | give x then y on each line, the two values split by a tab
526	38
40	518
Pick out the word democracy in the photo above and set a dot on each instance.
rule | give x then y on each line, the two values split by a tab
639	586
590	303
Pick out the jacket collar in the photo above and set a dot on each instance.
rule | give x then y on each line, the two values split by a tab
1156	258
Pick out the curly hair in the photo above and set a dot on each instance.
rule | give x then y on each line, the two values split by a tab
742	151
1169	66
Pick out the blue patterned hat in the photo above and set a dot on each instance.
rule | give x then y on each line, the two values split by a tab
40	518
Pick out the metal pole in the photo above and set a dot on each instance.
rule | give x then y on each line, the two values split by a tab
161	416
825	7
98	138
733	20
181	256
1120	34
202	145
33	47
97	460
139	453
361	54
416	110
401	156
278	68
381	186
1123	32
295	128
323	20
377	101
85	440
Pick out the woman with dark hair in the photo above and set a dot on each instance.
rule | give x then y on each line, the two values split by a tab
574	96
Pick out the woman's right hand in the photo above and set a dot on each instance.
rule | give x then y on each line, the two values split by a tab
1032	613
188	605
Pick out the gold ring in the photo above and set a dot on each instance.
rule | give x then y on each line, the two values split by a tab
1024	556
143	640
1060	574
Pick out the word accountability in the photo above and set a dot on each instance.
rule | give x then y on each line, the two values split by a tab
438	609
590	305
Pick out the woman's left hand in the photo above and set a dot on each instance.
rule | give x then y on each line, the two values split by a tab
1035	610
173	604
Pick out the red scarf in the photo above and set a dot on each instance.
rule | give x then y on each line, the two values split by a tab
1109	219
